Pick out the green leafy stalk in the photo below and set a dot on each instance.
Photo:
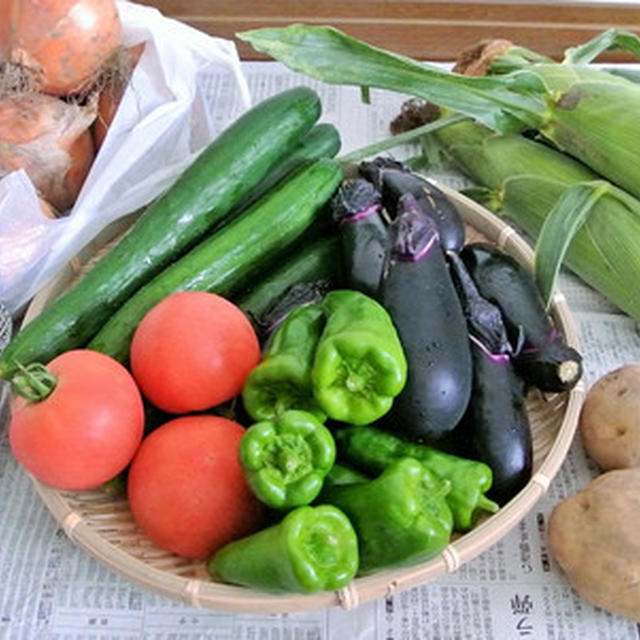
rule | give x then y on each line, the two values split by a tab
567	216
506	104
401	138
610	40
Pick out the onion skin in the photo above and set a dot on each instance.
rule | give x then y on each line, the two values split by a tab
50	139
63	44
111	94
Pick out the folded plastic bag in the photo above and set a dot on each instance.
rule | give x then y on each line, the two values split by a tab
167	116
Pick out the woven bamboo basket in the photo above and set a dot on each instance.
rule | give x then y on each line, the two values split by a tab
103	525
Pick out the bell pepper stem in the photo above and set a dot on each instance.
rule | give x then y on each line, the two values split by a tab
487	505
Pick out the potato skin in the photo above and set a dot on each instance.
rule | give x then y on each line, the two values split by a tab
593	535
610	419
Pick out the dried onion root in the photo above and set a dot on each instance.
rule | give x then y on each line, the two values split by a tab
50	139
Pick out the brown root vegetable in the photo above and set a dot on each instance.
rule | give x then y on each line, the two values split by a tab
116	81
610	419
593	535
50	140
61	44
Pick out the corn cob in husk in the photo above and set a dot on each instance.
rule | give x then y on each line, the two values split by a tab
524	179
588	113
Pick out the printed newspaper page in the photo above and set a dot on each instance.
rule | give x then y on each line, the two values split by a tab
52	590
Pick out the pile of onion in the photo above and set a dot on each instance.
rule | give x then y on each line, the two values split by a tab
54	58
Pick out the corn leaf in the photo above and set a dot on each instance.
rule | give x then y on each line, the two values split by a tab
506	104
567	216
610	40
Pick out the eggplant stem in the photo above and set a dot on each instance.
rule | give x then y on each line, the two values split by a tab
401	138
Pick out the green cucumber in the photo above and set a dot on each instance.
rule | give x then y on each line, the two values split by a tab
320	260
227	259
323	141
229	168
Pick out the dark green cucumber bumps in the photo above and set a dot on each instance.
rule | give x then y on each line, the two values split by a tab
229	168
228	258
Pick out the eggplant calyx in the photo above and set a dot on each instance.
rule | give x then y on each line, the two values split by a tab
356	199
495	357
415	235
374	170
484	319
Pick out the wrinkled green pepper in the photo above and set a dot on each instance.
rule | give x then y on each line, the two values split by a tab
400	518
282	380
359	365
286	460
373	450
311	549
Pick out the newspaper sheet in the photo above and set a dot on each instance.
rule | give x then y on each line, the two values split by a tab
52	590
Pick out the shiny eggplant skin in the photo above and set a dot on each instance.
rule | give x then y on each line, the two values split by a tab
495	429
545	360
418	293
363	233
394	179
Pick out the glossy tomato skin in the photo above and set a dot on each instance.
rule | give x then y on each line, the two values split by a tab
87	430
186	488
193	351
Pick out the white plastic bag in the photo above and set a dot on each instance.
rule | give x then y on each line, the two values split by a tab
165	119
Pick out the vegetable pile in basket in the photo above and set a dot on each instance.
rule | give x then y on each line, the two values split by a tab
63	71
300	376
574	174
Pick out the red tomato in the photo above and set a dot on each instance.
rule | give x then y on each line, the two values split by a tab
186	488
193	351
87	430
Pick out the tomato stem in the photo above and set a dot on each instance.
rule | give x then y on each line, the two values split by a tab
33	382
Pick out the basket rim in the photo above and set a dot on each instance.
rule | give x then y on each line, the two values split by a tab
210	594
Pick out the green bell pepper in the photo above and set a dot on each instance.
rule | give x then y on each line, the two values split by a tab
400	518
359	365
373	450
311	549
341	474
286	460
282	380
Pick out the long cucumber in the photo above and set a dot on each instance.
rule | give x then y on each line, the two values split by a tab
320	260
230	256
229	168
323	141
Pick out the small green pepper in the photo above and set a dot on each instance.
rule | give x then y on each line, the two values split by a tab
286	460
311	549
400	518
359	365
282	380
341	474
373	450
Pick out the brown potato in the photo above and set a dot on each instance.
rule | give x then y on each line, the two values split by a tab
610	419
593	535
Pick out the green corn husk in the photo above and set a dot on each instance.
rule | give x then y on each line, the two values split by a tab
524	180
592	114
588	113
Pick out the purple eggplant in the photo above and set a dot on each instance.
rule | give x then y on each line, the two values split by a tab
291	298
364	235
495	428
418	293
394	179
545	360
